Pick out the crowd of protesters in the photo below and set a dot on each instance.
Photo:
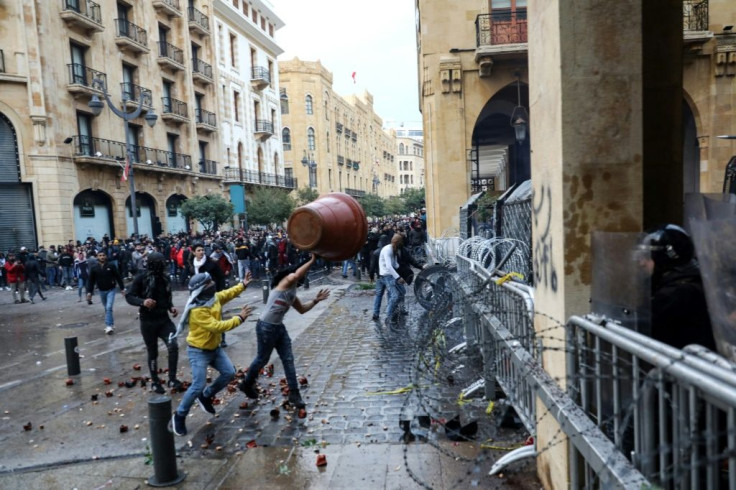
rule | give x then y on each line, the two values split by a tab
262	251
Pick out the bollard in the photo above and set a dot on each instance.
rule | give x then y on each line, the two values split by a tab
357	272
162	444
264	287
72	356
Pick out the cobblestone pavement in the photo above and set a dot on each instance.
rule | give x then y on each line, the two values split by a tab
362	379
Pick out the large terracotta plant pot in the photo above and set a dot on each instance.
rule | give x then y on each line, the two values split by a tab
332	226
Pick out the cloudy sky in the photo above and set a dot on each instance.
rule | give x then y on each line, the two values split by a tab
376	40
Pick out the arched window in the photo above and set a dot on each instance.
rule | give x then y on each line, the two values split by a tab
401	149
311	144
286	139
310	108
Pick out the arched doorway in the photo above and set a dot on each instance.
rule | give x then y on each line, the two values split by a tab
497	159
17	219
92	215
148	222
175	221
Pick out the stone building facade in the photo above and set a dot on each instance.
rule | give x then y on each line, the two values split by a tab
63	166
249	99
410	161
333	143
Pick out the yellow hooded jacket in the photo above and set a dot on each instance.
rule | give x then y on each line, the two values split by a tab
206	325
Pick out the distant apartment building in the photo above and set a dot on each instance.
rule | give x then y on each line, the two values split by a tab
249	98
410	159
333	143
62	168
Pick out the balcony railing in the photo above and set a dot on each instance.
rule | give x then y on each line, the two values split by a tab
506	27
132	93
202	116
199	21
260	77
85	13
82	76
695	15
208	167
338	128
260	178
128	30
201	68
354	192
169	7
102	149
171	52
264	126
174	106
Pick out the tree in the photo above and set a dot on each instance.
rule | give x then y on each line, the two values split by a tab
305	195
269	206
395	205
413	199
211	211
373	205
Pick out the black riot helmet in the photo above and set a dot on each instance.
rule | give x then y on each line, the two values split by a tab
670	246
156	263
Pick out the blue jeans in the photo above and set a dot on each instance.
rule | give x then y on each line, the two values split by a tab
68	274
108	298
81	284
380	289
51	276
243	267
198	361
394	290
345	264
269	337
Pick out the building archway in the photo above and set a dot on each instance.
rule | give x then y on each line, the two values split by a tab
92	215
175	221
148	222
690	150
497	159
17	219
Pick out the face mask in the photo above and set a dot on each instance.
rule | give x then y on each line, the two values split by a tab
207	293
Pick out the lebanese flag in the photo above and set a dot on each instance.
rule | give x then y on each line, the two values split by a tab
353	75
126	170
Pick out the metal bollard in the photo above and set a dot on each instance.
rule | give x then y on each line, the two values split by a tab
357	272
72	356
162	444
265	288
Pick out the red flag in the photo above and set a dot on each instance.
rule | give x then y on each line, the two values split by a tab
353	77
126	170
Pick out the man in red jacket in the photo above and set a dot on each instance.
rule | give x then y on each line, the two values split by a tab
16	278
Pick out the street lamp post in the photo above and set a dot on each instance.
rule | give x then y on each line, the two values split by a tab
96	106
308	161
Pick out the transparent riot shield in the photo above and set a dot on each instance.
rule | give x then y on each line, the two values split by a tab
704	207
621	289
715	249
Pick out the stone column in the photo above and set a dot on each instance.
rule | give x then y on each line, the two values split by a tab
605	96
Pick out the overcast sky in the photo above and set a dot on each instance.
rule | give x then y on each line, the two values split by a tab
376	40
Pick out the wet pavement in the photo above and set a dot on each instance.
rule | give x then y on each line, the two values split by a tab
361	380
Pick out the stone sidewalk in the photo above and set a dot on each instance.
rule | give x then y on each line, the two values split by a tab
359	387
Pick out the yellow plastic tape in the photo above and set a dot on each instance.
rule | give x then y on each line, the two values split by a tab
398	391
508	277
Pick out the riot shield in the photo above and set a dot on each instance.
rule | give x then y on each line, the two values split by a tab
621	289
703	207
715	249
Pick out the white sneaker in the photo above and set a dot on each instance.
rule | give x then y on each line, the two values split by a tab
109	330
69	288
7	288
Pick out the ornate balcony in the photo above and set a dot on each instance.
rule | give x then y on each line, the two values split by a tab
263	129
131	93
82	14
259	178
174	111
89	150
206	121
80	80
695	23
169	56
168	7
201	71
131	37
354	192
500	34
260	78
198	22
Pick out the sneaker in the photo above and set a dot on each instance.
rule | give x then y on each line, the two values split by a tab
175	385
17	301
206	403
375	318
223	344
295	398
249	390
178	425
7	288
109	330
159	388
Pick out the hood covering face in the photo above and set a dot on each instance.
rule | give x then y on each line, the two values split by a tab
200	294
